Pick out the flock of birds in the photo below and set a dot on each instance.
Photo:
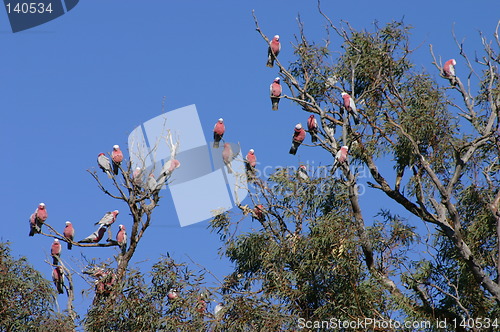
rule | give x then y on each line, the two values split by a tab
111	168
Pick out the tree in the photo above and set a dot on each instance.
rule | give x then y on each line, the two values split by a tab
27	300
304	259
312	253
140	191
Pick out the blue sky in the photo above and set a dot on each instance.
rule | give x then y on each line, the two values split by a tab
77	85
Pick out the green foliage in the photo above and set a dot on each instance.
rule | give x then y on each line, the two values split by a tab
141	303
27	299
305	261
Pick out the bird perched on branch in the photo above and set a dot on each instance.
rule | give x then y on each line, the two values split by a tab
152	184
172	294
299	134
258	213
250	162
341	155
55	251
302	173
166	171
350	107
312	126
218	310
104	164
449	71
273	50
275	90
69	233
37	219
137	177
219	130
227	157
96	236
121	238
117	157
108	219
58	278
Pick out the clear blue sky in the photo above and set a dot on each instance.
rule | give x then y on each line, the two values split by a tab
77	85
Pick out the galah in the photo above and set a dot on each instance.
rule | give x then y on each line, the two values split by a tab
341	155
117	157
108	219
219	130
172	294
121	238
137	177
201	306
227	157
449	71
312	126
55	251
104	282
96	236
217	310
250	161
273	50
58	278
152	185
299	134
104	164
168	168
302	173
350	107
275	91
69	233
258	212
37	219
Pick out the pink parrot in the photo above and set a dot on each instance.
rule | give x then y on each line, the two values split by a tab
275	90
299	134
250	161
108	219
117	157
201	306
96	236
55	251
350	107
219	130
137	176
341	155
227	157
449	71
172	294
312	126
168	168
302	173
151	185
258	212
121	238
104	164
273	50
58	278
69	233
37	219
